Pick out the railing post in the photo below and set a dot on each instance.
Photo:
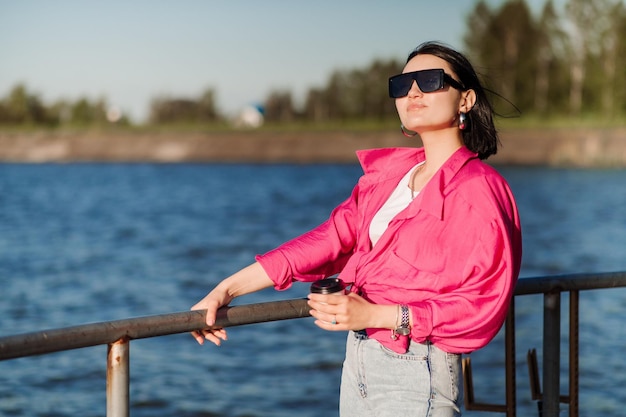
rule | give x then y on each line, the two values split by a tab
511	397
118	378
551	354
574	351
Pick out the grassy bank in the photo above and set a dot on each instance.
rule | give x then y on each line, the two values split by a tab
554	145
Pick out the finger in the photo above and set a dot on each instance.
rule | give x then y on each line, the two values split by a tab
213	335
326	317
210	317
213	339
329	326
198	336
221	333
210	314
325	312
322	306
324	298
318	314
216	337
315	297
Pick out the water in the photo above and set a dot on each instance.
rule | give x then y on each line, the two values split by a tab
83	243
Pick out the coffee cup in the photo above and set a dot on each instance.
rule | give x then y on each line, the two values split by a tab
328	286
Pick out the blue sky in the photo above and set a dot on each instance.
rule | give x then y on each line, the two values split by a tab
132	51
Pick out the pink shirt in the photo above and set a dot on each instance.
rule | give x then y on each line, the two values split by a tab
453	255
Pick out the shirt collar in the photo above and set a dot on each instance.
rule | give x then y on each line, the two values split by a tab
392	162
389	162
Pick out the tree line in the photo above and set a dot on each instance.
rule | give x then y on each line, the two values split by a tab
21	107
568	62
571	62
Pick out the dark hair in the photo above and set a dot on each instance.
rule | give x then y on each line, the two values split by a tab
480	136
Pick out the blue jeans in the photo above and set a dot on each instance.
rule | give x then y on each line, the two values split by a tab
376	381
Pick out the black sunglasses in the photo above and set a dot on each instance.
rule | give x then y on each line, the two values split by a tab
428	81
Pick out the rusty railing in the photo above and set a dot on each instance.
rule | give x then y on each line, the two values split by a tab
118	334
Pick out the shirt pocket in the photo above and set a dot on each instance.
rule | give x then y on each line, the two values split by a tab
407	275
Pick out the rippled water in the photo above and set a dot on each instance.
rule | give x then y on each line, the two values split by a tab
82	243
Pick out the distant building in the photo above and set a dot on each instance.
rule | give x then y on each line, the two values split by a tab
250	117
114	114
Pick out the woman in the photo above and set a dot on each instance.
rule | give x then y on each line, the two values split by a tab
429	241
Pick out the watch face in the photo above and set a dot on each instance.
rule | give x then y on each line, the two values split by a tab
403	331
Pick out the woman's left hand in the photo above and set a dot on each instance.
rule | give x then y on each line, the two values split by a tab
350	312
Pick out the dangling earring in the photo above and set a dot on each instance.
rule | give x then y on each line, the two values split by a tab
406	132
462	124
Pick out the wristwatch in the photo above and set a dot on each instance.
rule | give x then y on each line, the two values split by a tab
403	328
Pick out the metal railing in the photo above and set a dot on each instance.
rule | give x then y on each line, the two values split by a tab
551	287
118	334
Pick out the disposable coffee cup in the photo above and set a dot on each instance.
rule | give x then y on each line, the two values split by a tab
328	286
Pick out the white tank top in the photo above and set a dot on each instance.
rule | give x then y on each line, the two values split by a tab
397	201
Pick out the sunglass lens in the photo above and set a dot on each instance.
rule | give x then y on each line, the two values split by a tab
400	85
429	80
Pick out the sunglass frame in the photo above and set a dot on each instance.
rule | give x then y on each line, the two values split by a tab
400	84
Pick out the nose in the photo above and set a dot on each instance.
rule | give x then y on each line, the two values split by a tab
415	90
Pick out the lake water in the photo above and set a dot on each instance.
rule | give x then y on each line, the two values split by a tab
83	243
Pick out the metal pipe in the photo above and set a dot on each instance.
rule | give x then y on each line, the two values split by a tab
551	354
570	282
118	378
104	333
49	341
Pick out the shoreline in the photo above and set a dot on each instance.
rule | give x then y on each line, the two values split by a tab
576	147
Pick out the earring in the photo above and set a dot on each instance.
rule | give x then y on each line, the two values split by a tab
406	132
462	118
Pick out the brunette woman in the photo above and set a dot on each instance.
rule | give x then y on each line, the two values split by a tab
429	242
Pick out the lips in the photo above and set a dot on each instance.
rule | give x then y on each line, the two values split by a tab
415	106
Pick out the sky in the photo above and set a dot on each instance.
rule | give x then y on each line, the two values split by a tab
130	52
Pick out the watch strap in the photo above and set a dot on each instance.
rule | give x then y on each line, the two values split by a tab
403	328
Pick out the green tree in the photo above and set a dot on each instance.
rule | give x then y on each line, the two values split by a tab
610	57
375	100
207	107
83	112
21	107
589	23
502	43
550	40
18	105
279	107
354	94
315	109
620	81
165	110
479	43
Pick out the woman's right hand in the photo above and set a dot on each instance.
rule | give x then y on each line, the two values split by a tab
250	279
211	303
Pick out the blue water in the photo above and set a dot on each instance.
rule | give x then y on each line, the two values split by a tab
83	243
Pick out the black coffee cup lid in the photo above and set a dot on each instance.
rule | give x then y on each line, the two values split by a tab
327	286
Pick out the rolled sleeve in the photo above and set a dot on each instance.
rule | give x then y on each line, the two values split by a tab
316	254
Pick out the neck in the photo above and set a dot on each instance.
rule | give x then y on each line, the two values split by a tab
439	146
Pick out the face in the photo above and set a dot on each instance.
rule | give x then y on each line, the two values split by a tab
423	112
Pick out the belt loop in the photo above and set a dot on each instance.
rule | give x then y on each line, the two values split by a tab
361	334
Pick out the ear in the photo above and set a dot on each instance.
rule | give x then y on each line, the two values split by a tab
468	99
